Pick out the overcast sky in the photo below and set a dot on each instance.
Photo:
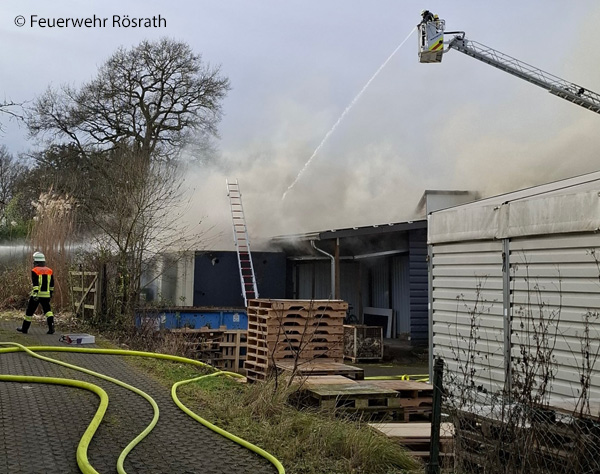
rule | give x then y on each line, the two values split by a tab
295	66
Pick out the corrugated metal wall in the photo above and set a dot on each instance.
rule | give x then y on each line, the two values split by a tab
556	290
419	286
314	280
380	283
350	286
401	294
467	311
549	300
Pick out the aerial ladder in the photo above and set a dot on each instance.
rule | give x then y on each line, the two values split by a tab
242	242
431	50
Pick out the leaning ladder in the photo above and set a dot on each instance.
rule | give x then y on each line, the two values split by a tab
242	243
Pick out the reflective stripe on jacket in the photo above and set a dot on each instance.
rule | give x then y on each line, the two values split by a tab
43	282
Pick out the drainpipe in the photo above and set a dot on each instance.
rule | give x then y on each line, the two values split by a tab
312	243
338	291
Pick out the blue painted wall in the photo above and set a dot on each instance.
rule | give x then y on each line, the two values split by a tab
217	278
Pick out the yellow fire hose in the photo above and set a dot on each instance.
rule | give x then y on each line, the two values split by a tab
33	349
138	438
84	442
413	377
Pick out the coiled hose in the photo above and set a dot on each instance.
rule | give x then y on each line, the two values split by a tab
86	467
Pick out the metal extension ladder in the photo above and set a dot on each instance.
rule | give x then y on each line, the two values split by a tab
242	243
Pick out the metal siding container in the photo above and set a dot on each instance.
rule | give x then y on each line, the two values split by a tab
195	318
555	285
169	278
467	310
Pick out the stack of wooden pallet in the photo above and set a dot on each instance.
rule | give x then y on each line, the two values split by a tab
382	400
233	350
399	409
294	333
417	437
223	348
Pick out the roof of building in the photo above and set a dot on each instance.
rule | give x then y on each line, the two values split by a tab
564	206
356	241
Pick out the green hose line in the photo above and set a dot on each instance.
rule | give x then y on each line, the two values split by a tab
185	360
272	459
82	458
138	438
85	350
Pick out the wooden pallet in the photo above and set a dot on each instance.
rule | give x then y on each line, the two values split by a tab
304	313
223	348
319	380
232	351
412	394
352	397
311	305
364	399
555	445
293	330
321	367
308	331
417	437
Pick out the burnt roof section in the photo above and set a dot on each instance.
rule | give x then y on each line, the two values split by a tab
373	230
354	241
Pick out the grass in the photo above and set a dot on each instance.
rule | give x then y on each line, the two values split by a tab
305	441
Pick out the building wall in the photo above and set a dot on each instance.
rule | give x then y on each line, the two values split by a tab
467	311
401	302
501	307
555	289
217	278
381	282
418	286
312	280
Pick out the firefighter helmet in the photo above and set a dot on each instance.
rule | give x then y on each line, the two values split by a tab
39	257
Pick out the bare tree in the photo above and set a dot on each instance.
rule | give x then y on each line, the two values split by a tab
10	108
156	97
135	208
10	171
121	134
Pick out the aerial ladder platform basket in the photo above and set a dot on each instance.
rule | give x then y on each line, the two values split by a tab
431	50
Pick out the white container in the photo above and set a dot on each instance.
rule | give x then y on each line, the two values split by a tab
78	339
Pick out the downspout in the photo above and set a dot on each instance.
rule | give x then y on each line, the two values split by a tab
312	243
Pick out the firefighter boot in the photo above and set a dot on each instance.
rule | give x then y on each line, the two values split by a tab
25	327
50	321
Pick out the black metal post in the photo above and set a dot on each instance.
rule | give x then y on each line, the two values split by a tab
434	451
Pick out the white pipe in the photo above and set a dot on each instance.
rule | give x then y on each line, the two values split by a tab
312	243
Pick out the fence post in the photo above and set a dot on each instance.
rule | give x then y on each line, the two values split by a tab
434	451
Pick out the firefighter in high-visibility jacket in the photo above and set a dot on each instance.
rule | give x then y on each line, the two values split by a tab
42	280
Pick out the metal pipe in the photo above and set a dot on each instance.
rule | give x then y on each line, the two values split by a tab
314	246
434	451
338	290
